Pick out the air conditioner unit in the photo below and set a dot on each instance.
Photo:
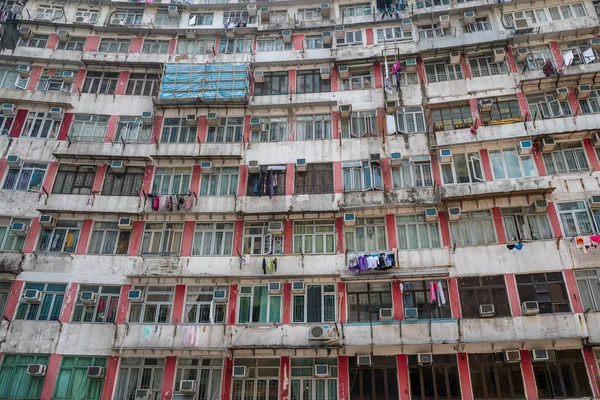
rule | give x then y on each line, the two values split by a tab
349	219
187	386
595	43
406	24
95	372
13	161
525	147
540	206
220	296
540	355
583	91
264	14
445	155
375	157
252	10
25	33
411	313
255	124
117	166
469	17
395	159
425	358
454	213
327	39
520	23
82	20
594	202
286	36
135	296
230	33
47	221
325	10
18	229
321	371
486	310
88	298
386	314
240	371
391	107
253	167
321	332
364	361
24	70
32	296
345	111
63	36
344	71
274	287
562	93
454	57
144	394
522	54
9	110
512	356
530	308
68	76
147	117
298	287
431	214
190	34
499	55
411	65
206	167
445	21
36	370
339	32
125	224
485	105
548	144
173	12
276	227
212	119
301	165
56	113
325	73
118	22
191	120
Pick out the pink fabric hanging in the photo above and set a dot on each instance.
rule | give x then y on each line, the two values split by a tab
432	292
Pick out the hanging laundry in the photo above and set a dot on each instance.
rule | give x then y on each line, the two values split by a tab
275	264
518	246
270	266
440	293
156	203
432	298
595	239
247	258
264	266
164	203
188	202
401	287
510	246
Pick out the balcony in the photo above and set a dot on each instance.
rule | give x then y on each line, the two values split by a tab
564	28
523	186
285	204
32	337
396	333
59	99
171	337
593	323
86	339
87	103
62	203
46	55
465	89
293	57
250	336
21	203
94	57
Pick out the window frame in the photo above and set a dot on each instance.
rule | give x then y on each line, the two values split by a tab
321	305
98	316
420	298
362	175
53	291
311	124
114	45
197	296
518	223
575	366
317	179
9	242
252	307
475	291
412	174
182	174
302	235
354	297
472	163
127	183
361	124
169	235
267	242
202	229
39	125
100	233
163	291
421	227
13	180
100	82
378	229
503	159
476	239
176	130
581	210
69	227
153	368
444	365
229	130
79	177
490	373
212	184
537	291
578	158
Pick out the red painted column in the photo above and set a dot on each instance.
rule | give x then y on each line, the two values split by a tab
50	378
342	309
369	36
513	295
335	84
122	83
238	236
343	378
157	129
528	376
172	46
464	65
178	304
65	126
18	123
475	112
510	60
572	289
284	378
84	237
136	45
591	154
203	128
592	369
111	129
435	170
337	177
553	216
335	124
196	176
136	239
403	377
50	175
147	181
112	367
500	233
247	131
444	228
188	239
34	77
292	80
557	54
390	224
123	307
69	303
79	79
286	318
523	106
99	178
397	301
487	165
52	41
421	71
13	299
34	230
339	231
574	102
231	309
92	43
3	166
168	381
298	42
465	376
290	175
377	76
454	297
288	237
227	378
386	172
242	180
539	161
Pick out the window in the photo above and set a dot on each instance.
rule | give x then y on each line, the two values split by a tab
104	310
351	38
434	3
133	130
417	294
49	13
567	11
272	44
408	120
10	242
73	381
108	239
361	124
4	294
230	130
62	238
509	164
13	6
480	25
314	237
200	19
524	224
504	110
273	129
432	31
238	45
162	238
361	175
143	85
309	81
223	181
567	157
581	52
30	176
534	17
575	218
11	79
473	228
201	308
304	386
309	14
204	45
392	34
316	304
258	305
73	179
97	82
176	130
360	78
462	168
155	46
5	122
537	58
441	72
279	17
317	179
16	382
476	291
92	15
454	117
313	127
36	41
131	17
139	373
564	376
234	17
493	378
368	235
49	309
546	105
412	173
436	381
52	80
415	233
128	183
262	382
378	381
40	125
171	181
315	42
355	10
164	19
365	300
547	289
156	306
259	240
109	45
270	181
274	83
88	128
206	372
588	283
404	76
484	65
213	239
591	105
73	44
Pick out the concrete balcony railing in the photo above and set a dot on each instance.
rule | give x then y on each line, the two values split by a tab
86	339
170	336
593	323
293	57
92	203
94	57
284	204
396	333
45	55
465	89
21	203
59	99
32	337
533	185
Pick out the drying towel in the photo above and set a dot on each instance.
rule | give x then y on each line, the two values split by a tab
440	293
